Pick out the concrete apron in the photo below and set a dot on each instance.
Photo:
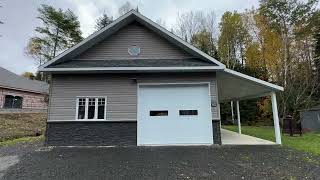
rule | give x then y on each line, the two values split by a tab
233	138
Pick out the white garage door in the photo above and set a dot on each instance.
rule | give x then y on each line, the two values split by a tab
174	115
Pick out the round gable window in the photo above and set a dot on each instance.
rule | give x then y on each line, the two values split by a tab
134	50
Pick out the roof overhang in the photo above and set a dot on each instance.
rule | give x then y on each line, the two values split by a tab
233	85
24	90
133	69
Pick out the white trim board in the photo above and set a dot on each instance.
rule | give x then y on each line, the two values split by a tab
127	120
132	68
178	83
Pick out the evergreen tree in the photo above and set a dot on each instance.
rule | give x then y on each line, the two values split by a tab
103	21
60	30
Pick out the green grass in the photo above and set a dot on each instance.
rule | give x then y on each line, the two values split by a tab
21	140
308	142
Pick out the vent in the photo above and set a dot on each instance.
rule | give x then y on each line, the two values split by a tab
134	50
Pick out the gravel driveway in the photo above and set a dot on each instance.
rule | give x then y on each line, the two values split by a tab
217	162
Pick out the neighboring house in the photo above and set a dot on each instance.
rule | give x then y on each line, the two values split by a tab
310	119
17	92
135	83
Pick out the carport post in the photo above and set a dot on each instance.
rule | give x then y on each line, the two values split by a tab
238	116
232	114
275	118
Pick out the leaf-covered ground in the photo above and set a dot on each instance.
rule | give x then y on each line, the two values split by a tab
18	125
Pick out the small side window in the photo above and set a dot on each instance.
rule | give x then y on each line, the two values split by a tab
101	108
91	108
158	113
81	107
188	112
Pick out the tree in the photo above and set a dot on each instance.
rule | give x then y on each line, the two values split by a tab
161	22
193	22
126	7
291	20
285	17
317	58
29	75
103	21
204	41
60	30
232	40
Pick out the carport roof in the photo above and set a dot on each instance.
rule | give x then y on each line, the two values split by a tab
233	85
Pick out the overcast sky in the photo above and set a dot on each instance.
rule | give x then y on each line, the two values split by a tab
19	17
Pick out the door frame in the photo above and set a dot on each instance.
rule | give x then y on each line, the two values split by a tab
169	84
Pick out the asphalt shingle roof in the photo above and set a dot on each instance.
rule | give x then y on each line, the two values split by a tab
132	63
11	80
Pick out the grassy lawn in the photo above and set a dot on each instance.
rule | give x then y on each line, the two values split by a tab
308	142
21	125
21	140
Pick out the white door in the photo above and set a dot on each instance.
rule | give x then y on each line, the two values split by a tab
174	115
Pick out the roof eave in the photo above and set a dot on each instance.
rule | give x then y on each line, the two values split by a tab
25	90
133	69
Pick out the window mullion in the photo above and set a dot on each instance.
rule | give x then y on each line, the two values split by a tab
96	109
105	108
86	109
77	108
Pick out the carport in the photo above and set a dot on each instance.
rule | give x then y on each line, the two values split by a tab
234	87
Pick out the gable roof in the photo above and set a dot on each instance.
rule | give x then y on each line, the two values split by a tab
122	21
55	65
11	80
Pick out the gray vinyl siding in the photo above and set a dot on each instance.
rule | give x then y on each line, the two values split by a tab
116	46
120	89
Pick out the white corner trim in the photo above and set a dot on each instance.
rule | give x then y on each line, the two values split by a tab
132	68
256	80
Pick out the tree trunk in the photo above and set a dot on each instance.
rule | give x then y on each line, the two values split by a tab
55	43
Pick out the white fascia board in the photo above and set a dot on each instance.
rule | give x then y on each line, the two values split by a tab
175	37
85	40
258	81
131	68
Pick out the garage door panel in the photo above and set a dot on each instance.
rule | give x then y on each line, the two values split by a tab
174	128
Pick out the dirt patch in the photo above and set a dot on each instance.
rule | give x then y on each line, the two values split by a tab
17	125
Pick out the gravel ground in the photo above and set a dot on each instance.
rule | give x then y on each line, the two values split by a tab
217	162
9	155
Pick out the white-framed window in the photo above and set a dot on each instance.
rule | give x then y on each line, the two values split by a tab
91	108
